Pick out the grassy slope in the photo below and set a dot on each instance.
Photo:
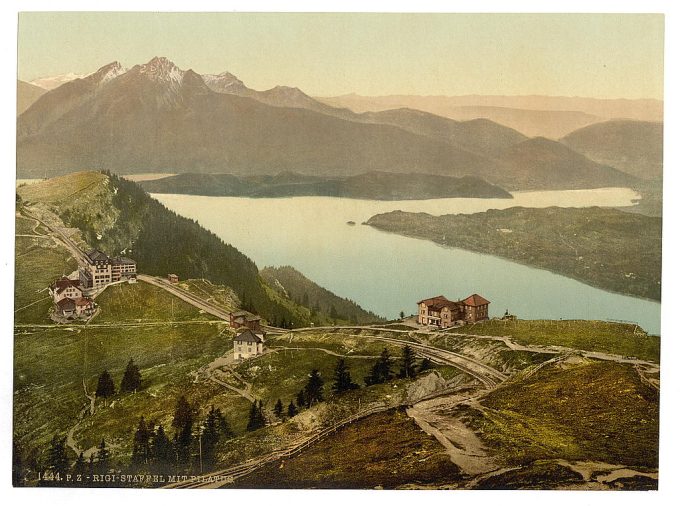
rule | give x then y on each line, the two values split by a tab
39	261
608	337
144	302
606	248
597	411
387	450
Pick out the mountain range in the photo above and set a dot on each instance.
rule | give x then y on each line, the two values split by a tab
635	147
533	115
156	117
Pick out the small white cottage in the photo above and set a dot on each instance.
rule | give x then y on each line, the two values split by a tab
248	344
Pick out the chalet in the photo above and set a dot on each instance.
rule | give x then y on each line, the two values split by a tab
248	344
244	319
84	306
65	307
65	288
173	278
442	312
101	270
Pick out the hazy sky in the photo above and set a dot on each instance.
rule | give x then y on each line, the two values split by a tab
604	56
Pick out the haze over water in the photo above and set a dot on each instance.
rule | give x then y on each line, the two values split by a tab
387	273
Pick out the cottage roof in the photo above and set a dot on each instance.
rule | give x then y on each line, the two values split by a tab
239	313
83	301
249	336
431	300
66	304
62	284
253	318
96	255
475	300
439	302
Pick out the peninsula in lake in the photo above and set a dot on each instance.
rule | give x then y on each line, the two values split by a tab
370	186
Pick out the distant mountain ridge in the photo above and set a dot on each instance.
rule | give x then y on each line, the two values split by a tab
533	115
27	94
635	147
156	117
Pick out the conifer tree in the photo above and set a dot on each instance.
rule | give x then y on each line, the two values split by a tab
408	363
256	418
278	408
292	410
300	399
105	386
342	378
381	370
132	378
140	445
425	365
162	455
314	388
17	464
183	441
56	456
183	414
103	455
215	429
80	466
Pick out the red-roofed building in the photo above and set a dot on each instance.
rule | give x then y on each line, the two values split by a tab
65	287
442	312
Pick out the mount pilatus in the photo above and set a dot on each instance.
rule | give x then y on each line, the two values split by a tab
156	117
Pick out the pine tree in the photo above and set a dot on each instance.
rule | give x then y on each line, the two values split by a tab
183	413
425	365
215	429
17	464
408	363
381	370
313	390
401	315
105	386
342	378
80	467
140	445
132	378
90	465
183	441
57	459
300	399
256	418
103	455
292	410
162	455
278	408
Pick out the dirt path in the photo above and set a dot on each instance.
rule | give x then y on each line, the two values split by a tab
70	440
275	349
242	392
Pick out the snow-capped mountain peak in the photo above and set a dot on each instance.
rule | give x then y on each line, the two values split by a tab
107	72
225	82
160	68
52	82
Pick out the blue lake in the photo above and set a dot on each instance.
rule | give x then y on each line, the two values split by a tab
388	273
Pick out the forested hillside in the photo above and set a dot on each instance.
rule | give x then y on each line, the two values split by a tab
304	291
